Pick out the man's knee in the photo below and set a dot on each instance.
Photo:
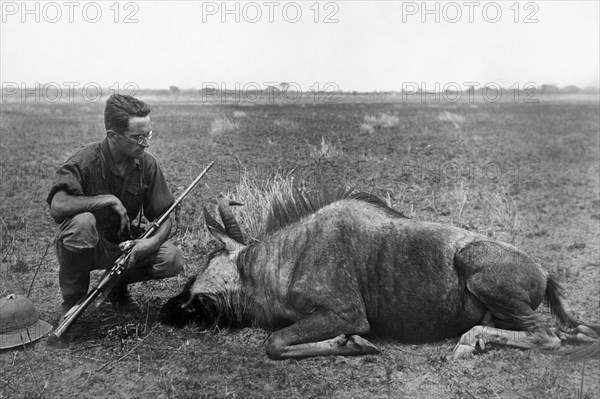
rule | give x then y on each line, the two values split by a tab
78	232
172	260
167	262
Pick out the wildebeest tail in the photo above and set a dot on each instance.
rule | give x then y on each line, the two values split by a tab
584	353
553	299
554	302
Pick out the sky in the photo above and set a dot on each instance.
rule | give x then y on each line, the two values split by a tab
346	45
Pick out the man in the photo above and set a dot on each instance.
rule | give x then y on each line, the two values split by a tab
95	195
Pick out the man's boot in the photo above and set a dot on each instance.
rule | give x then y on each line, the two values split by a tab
73	276
122	301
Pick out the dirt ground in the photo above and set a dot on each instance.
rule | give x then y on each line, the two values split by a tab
523	173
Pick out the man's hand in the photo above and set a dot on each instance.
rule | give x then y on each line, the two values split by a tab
142	248
120	210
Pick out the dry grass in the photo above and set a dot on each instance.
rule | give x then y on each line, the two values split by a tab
325	150
372	123
556	215
222	126
256	194
453	118
286	124
502	210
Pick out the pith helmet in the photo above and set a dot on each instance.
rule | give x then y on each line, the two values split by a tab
19	322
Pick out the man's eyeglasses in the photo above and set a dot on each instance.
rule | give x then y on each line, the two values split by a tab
138	138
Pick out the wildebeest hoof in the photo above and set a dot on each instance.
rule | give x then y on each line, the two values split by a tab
366	347
480	344
461	351
579	334
588	332
584	338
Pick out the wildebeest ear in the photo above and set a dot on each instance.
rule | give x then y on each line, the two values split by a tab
219	232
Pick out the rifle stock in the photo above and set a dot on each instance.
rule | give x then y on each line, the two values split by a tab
111	277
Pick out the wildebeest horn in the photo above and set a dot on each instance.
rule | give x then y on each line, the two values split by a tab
231	225
211	223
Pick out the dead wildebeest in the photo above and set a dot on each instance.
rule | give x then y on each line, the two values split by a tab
330	270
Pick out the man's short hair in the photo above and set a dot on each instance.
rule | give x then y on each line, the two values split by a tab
120	108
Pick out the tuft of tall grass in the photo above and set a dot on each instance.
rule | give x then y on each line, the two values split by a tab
256	194
367	128
327	149
286	124
455	119
383	120
223	125
502	210
461	196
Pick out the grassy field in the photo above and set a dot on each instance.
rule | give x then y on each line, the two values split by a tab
523	173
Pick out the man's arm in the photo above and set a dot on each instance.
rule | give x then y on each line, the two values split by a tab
147	246
64	205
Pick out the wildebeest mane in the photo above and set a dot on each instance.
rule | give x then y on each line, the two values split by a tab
288	209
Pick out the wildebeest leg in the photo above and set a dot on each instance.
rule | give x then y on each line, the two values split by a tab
511	286
481	335
313	337
506	281
342	345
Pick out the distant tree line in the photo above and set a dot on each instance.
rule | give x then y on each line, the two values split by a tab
543	89
54	93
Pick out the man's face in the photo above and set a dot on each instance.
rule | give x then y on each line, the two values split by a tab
128	141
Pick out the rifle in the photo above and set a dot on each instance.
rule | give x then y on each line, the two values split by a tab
111	277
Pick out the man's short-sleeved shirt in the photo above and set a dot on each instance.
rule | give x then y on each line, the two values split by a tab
89	171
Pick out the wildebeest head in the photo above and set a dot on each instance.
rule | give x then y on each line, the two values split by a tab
213	297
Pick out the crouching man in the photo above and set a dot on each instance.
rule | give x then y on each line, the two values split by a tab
96	194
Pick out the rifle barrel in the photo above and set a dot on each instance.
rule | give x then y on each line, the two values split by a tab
165	215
